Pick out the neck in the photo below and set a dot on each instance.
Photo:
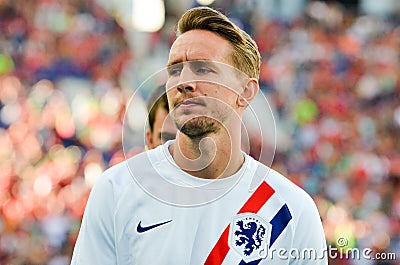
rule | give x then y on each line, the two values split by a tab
212	156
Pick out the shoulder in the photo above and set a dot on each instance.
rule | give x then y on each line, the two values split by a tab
297	200
287	190
282	186
306	218
122	173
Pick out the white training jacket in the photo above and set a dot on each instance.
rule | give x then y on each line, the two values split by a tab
134	218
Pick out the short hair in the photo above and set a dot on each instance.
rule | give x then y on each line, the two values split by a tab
158	99
245	55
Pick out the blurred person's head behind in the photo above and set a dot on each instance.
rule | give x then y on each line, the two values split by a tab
161	127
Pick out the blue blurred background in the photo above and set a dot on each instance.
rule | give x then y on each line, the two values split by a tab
68	68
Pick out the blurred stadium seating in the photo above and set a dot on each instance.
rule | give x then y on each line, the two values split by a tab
330	73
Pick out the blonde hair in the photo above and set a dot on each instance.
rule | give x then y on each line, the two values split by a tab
245	55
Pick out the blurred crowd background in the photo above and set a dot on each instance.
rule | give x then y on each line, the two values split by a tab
68	69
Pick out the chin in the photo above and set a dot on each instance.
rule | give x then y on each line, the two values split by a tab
199	127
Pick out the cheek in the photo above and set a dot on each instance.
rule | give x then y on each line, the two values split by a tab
223	104
226	96
170	95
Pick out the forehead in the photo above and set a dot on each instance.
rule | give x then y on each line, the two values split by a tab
200	45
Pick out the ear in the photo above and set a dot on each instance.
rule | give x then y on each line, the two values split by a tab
250	90
149	139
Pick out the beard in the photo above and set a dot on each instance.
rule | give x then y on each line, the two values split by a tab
199	126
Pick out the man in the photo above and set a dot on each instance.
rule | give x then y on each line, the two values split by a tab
192	201
161	127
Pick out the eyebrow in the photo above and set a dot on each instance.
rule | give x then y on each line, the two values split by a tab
173	62
181	61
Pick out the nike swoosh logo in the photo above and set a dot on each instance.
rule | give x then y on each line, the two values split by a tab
142	229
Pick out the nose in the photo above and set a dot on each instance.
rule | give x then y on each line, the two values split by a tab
187	81
186	87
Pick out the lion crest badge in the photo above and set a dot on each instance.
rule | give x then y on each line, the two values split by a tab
249	236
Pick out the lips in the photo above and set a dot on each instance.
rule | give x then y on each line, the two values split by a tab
188	103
